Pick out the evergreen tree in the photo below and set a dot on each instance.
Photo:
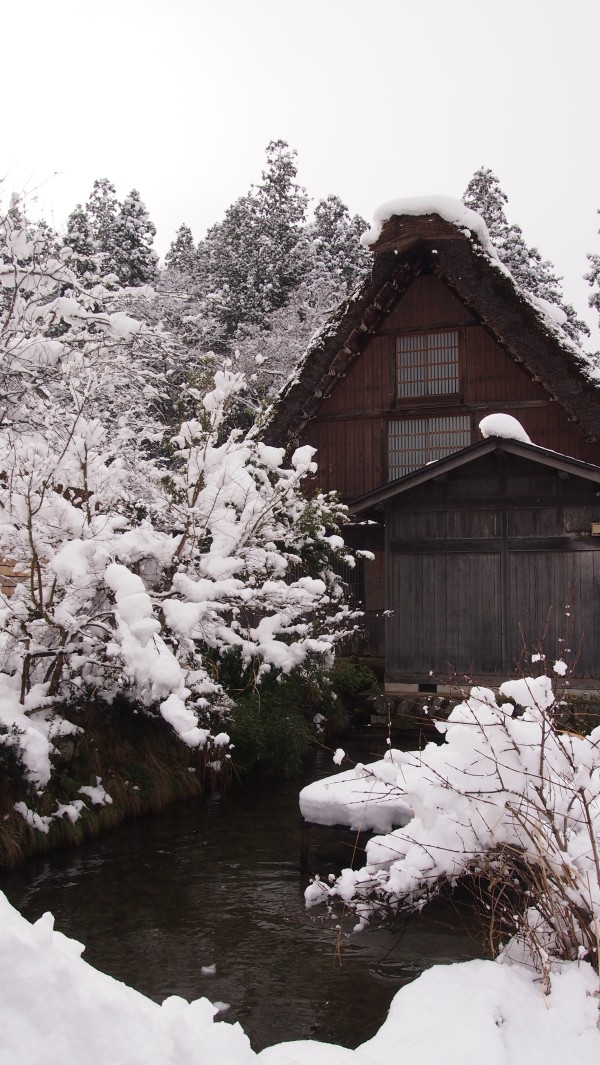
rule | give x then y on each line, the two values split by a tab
182	253
253	259
102	209
111	238
134	257
484	195
337	252
79	239
593	276
532	273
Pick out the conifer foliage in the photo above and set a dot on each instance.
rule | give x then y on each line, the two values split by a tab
337	252
532	273
182	252
254	258
593	276
265	278
134	258
110	238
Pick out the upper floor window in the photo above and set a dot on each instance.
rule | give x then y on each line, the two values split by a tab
427	364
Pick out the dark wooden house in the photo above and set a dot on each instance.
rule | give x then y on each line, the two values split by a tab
485	550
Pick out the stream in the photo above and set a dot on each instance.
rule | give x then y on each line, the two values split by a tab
161	900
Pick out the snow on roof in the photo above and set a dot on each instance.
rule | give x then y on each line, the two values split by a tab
447	207
335	343
472	224
504	426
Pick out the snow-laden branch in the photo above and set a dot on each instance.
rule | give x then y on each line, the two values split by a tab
507	796
140	560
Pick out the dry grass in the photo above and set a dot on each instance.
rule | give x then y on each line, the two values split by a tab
141	762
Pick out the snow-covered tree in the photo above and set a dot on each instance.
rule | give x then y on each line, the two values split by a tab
85	257
326	258
102	209
110	238
182	252
484	195
138	573
268	354
593	276
337	254
532	273
135	261
251	261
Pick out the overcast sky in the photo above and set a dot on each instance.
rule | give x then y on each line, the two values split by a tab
389	98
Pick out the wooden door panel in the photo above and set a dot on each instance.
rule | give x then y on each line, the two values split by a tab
448	614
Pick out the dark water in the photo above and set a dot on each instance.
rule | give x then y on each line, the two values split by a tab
218	883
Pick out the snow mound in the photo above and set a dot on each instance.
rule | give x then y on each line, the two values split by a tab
57	1009
504	426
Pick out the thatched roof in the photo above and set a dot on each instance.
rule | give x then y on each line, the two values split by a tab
409	246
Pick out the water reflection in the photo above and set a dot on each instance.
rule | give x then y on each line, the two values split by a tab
217	883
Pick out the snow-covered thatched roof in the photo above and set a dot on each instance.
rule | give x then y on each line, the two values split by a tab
439	236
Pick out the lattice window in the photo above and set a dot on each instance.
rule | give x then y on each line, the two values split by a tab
427	364
413	442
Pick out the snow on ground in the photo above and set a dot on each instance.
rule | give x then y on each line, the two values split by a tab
57	1009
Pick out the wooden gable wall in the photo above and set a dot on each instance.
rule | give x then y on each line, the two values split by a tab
350	429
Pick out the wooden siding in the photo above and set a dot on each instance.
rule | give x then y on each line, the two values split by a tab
366	387
427	303
489	566
350	455
493	376
447	616
351	428
9	577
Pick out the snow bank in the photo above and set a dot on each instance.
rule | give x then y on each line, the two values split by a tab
57	1009
481	1011
364	799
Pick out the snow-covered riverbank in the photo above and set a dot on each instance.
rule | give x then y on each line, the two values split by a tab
56	1009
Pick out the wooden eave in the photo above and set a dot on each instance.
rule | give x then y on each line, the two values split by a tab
409	247
344	336
434	470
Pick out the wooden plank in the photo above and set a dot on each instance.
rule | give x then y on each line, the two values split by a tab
459	546
427	303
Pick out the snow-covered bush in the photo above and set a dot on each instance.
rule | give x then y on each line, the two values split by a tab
508	798
137	570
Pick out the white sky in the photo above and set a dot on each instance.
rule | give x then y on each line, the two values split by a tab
381	98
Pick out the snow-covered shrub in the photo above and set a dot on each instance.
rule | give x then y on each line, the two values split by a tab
508	798
136	572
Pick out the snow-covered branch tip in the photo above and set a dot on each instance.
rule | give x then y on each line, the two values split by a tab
138	564
508	799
